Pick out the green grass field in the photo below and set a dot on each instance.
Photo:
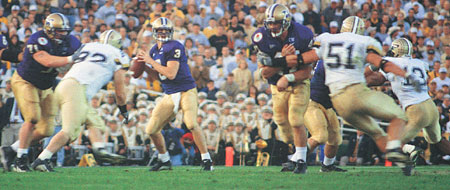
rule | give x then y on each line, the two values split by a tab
190	177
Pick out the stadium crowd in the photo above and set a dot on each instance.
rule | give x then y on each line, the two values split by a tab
235	101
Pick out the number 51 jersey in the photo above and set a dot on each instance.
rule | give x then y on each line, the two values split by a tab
96	66
344	57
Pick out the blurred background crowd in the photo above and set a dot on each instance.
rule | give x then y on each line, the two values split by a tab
235	101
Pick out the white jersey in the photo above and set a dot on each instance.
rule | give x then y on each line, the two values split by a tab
403	87
96	66
344	57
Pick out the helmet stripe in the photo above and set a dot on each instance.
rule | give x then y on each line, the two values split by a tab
107	36
355	25
409	52
272	10
163	21
62	18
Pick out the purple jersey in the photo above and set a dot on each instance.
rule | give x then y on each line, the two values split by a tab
299	35
174	51
3	42
319	91
30	70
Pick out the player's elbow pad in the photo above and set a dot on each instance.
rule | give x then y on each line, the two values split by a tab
11	55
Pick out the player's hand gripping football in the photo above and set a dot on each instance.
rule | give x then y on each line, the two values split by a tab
288	49
145	56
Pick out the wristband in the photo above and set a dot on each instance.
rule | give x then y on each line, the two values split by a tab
383	63
290	77
70	59
279	62
373	68
123	108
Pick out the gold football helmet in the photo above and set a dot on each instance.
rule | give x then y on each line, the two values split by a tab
401	48
277	14
56	27
111	37
162	29
353	24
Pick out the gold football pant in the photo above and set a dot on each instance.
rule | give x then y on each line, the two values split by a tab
357	104
37	106
164	112
323	124
423	116
75	109
289	107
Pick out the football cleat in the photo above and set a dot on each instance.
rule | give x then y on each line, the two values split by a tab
288	166
207	165
408	169
159	166
7	155
396	155
103	156
415	154
300	167
331	168
21	164
42	165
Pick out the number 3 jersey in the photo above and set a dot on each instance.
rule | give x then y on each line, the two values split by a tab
96	66
402	87
173	51
344	57
30	70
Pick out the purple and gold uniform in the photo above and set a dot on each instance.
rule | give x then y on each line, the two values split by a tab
181	92
32	82
320	118
289	105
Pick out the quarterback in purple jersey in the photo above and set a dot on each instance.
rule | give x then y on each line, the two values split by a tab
32	83
290	86
168	63
322	122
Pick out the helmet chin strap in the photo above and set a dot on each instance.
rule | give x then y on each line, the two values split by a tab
277	34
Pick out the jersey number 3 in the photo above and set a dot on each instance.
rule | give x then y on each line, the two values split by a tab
349	50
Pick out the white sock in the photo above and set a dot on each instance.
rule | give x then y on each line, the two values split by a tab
393	144
21	151
300	154
328	161
164	157
407	148
46	154
98	145
15	146
206	156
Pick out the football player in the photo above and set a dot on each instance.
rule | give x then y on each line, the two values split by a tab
322	122
7	54
420	109
279	37
344	56
168	63
97	64
32	83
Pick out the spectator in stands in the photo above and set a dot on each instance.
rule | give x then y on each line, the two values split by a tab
219	40
442	79
115	135
197	36
433	73
312	18
217	73
243	76
230	87
106	13
333	27
208	58
200	72
210	90
25	26
15	14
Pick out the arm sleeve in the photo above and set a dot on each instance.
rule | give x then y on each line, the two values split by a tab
175	53
11	55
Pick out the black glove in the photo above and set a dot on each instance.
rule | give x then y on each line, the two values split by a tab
124	113
264	59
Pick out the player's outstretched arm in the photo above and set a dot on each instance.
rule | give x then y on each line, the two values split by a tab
385	65
170	71
48	60
11	55
304	58
373	78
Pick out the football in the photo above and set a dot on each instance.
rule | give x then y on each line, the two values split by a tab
137	67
